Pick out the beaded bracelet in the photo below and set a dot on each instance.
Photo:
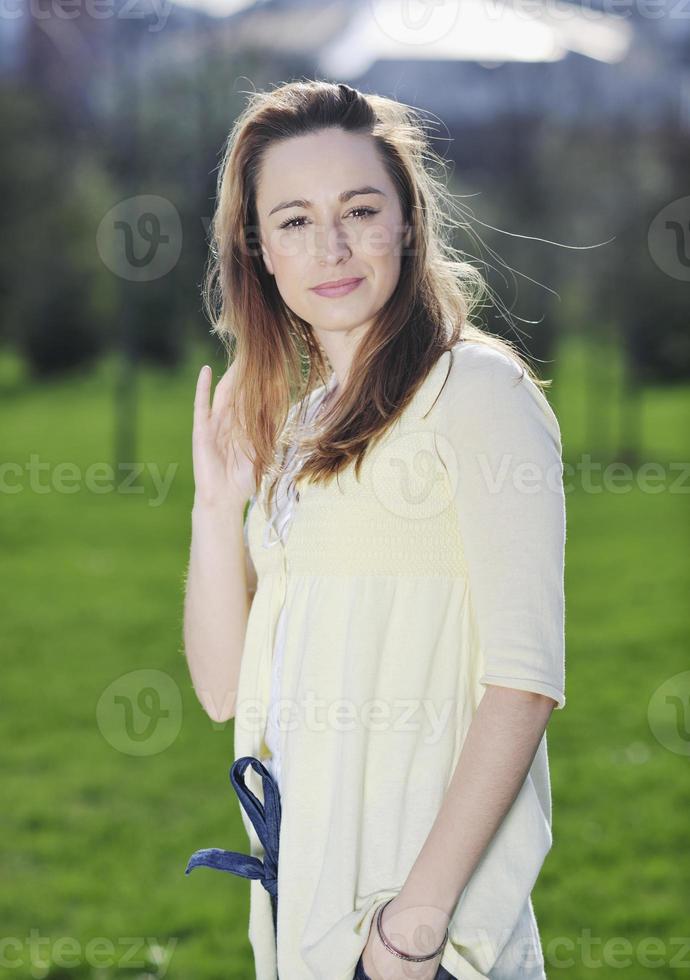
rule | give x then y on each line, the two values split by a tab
399	953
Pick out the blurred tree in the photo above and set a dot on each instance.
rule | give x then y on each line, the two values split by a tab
503	228
655	303
57	336
56	295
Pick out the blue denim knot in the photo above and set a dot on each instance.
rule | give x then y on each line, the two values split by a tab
265	818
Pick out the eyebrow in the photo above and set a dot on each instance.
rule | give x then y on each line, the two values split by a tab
345	196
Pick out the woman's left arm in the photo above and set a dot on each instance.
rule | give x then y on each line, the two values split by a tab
500	745
503	455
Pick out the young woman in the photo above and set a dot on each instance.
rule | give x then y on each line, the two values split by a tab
390	642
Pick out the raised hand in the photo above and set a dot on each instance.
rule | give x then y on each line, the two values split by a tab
223	467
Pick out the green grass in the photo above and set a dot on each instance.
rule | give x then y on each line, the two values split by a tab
95	839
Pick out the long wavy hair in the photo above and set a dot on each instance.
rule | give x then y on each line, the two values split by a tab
279	360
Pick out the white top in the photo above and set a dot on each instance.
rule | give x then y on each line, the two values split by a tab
283	506
410	587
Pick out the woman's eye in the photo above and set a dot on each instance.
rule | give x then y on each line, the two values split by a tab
292	223
364	213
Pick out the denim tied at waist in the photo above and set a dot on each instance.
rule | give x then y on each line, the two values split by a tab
265	818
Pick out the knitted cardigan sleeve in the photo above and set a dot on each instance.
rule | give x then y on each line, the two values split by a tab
509	499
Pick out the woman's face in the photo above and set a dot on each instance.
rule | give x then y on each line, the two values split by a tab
309	235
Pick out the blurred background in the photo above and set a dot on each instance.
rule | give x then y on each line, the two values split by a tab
566	129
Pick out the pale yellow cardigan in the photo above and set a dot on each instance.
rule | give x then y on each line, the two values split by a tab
439	572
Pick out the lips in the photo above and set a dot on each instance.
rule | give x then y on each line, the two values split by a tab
337	282
339	287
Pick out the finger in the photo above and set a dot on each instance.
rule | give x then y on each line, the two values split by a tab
223	392
201	404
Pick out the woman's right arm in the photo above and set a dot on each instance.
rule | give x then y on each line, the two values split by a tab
220	579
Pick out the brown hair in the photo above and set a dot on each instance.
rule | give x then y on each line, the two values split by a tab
427	314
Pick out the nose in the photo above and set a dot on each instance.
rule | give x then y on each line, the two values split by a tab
331	243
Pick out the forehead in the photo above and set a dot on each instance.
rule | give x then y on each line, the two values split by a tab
318	167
